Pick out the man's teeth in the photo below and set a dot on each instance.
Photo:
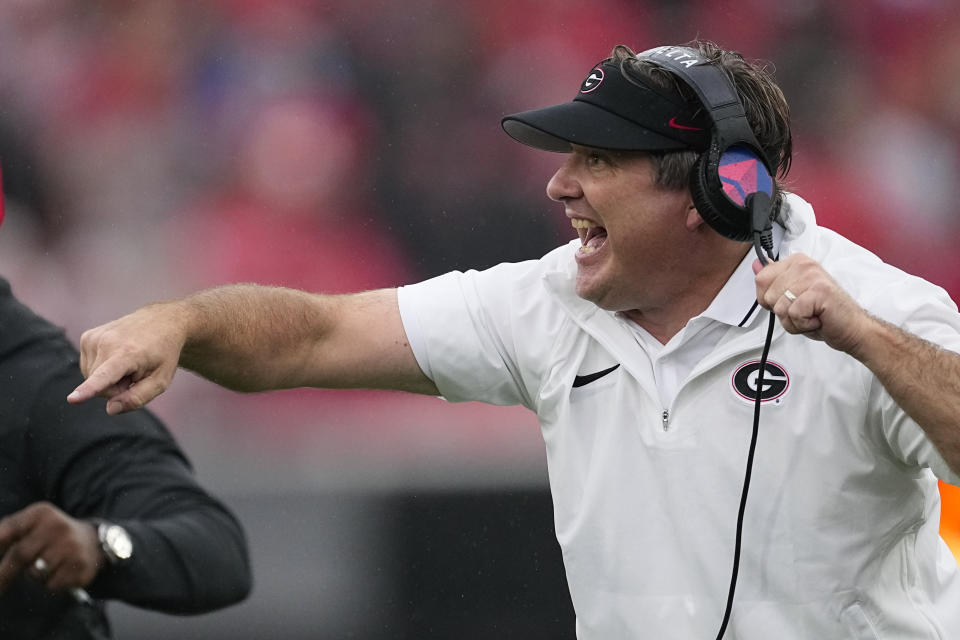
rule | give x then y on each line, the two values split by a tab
583	226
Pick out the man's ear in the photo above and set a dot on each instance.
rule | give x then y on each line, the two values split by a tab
693	219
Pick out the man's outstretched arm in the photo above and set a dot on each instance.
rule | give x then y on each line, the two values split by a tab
251	338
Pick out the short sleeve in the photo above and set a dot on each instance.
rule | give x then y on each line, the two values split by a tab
461	340
484	335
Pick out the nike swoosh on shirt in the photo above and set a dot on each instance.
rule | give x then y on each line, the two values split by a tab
579	381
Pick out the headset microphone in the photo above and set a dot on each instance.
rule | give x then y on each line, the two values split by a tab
759	205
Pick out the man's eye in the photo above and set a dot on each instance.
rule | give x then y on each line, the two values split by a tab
595	157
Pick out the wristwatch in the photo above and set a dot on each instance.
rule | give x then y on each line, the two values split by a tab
115	542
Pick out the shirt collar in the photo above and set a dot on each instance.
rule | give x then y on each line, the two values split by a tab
737	300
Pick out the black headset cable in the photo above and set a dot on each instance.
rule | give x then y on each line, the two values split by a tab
759	205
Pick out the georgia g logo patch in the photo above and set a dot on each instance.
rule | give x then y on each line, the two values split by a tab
776	382
592	81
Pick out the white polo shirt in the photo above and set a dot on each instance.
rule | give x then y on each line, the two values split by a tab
841	532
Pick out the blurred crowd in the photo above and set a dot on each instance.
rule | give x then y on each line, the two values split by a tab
152	148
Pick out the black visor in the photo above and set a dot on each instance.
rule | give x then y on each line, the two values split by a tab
611	112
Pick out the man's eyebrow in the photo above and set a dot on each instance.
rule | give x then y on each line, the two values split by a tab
616	153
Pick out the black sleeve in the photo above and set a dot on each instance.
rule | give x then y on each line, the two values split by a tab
190	553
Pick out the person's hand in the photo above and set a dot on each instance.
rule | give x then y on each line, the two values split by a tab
132	360
59	551
808	301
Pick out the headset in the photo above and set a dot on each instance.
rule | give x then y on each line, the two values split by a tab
731	182
732	186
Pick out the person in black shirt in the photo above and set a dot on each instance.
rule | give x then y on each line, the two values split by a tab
94	508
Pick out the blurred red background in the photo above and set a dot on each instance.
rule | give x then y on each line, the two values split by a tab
151	148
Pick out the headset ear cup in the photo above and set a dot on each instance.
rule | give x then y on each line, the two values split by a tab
725	218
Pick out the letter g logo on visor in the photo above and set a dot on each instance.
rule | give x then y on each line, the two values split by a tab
592	81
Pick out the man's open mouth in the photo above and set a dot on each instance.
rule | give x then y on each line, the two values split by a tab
592	236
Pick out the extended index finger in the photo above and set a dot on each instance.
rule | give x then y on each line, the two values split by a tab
101	379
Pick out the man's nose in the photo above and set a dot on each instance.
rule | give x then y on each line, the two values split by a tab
563	185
